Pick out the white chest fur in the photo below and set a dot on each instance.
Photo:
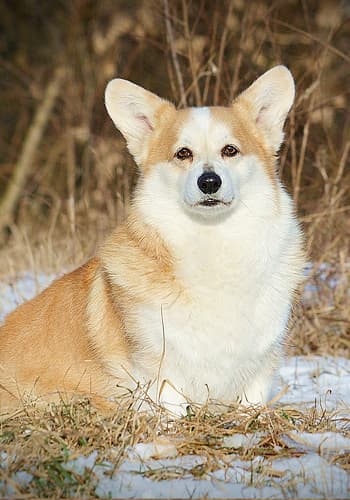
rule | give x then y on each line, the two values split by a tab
222	336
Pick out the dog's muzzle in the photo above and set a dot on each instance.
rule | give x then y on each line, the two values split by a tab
208	187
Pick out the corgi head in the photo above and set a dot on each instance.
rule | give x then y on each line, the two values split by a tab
204	159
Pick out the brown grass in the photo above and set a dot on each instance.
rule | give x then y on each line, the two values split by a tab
40	442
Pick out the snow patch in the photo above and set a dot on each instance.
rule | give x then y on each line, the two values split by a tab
145	451
242	440
24	287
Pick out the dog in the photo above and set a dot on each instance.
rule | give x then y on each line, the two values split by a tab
190	297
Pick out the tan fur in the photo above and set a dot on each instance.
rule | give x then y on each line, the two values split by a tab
141	266
161	146
44	346
59	343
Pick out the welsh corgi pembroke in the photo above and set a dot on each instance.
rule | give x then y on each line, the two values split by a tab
191	296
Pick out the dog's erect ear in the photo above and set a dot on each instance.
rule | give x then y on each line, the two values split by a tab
270	97
135	112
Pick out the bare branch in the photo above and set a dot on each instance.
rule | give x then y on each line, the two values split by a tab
171	41
30	146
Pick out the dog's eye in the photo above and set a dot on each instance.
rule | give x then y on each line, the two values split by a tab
229	150
184	154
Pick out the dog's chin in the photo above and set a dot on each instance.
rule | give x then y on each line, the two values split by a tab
210	208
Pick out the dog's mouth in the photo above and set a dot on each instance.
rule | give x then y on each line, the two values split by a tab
212	202
211	208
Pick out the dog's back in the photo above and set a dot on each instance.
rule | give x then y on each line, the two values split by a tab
43	344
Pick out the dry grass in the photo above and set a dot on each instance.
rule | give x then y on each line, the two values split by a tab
321	323
41	442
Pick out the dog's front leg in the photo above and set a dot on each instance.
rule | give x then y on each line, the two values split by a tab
258	390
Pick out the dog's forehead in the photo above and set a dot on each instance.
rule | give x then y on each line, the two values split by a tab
205	123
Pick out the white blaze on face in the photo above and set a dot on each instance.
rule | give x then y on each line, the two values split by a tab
205	136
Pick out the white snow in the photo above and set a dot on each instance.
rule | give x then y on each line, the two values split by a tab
325	443
241	440
323	381
14	292
145	451
304	382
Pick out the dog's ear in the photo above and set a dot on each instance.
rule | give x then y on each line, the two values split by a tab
135	112
270	98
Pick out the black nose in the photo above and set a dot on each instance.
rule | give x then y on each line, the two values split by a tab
209	182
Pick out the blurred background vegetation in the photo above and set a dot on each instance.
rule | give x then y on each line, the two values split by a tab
63	167
65	174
